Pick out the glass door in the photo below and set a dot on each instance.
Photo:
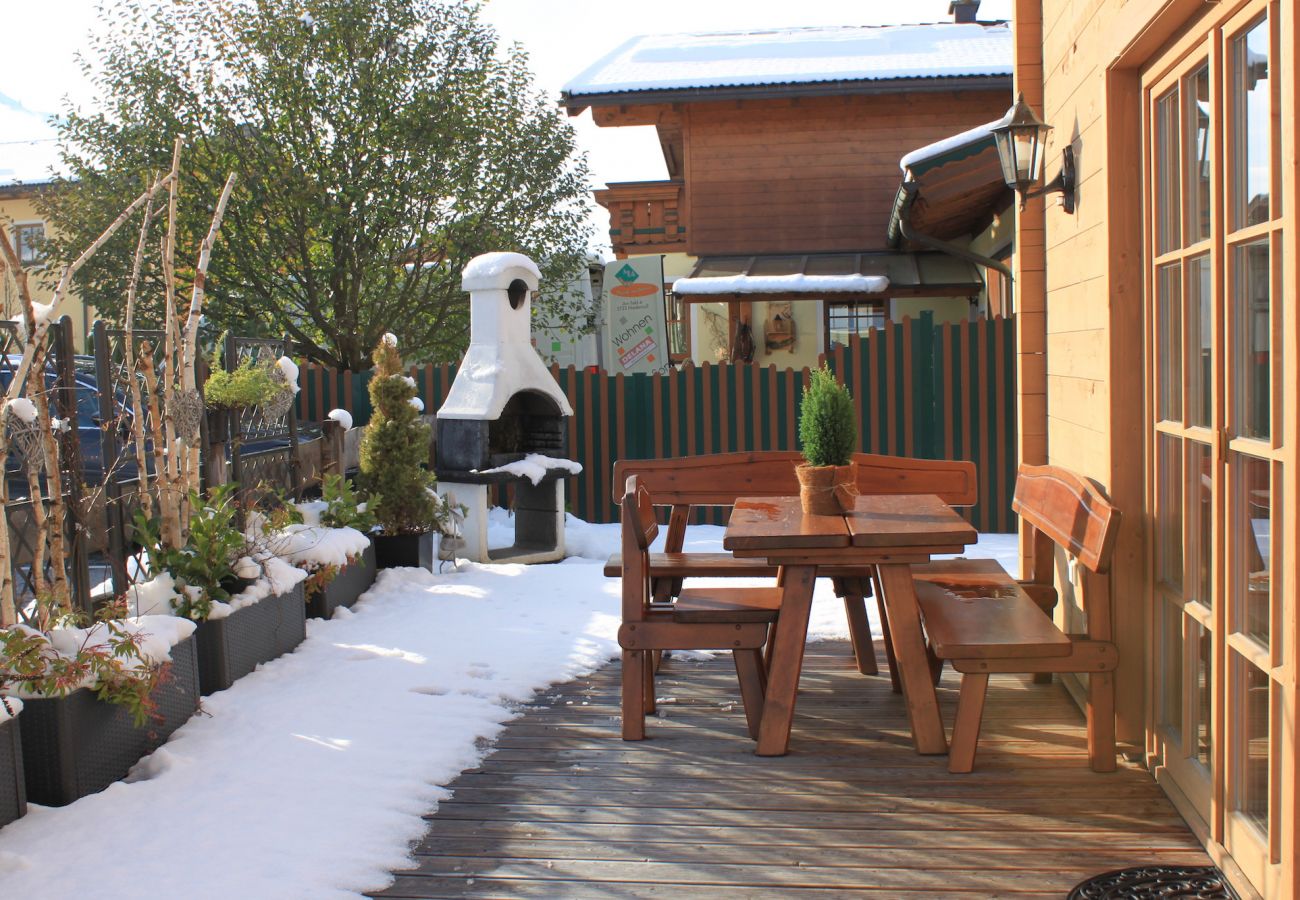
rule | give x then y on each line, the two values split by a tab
1215	233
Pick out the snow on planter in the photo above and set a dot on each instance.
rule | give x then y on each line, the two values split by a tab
342	416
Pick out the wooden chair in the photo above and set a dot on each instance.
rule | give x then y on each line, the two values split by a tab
979	618
734	619
685	483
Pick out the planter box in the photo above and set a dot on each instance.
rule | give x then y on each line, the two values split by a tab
347	586
77	745
232	647
13	792
405	550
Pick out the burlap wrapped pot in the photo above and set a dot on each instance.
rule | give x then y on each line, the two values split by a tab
826	490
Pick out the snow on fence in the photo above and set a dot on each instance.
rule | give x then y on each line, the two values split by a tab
925	390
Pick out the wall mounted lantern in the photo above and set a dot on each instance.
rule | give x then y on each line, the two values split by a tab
1020	138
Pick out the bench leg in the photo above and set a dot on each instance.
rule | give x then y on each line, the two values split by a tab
966	728
864	652
634	666
1101	721
749	669
885	637
648	668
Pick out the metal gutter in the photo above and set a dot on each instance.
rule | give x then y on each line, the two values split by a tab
576	103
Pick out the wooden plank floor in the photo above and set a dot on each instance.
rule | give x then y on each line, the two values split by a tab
564	808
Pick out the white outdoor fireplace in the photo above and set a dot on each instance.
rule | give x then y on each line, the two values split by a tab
505	418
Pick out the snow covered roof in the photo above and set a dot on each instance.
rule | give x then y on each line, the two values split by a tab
971	140
787	56
782	284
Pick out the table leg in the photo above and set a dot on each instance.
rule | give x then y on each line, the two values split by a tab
911	662
787	660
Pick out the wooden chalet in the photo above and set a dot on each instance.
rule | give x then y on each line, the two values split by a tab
782	150
1158	342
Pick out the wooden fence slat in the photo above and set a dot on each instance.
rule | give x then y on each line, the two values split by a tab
919	388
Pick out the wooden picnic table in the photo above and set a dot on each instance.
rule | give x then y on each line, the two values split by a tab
889	533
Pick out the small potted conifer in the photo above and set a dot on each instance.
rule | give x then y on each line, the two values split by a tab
828	430
394	452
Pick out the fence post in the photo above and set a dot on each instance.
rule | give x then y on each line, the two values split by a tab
70	461
109	453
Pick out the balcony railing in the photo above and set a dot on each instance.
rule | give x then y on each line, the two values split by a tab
645	216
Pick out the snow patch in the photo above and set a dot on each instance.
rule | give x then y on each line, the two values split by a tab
278	577
290	370
343	417
948	144
390	339
417	403
493	265
534	467
315	546
781	284
22	408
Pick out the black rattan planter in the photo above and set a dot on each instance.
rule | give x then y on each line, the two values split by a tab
13	792
392	551
78	745
353	581
232	647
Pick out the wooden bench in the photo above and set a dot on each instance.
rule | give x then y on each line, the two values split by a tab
684	483
983	621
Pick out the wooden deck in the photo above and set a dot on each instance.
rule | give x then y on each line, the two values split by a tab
565	809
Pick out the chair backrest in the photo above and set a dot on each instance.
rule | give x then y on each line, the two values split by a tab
717	479
1070	511
639	529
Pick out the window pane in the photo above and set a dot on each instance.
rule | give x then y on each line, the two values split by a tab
1253	366
28	244
858	317
1167	181
1251	532
1200	512
1204	643
1251	133
1169	540
1200	338
1252	794
1198	155
1169	300
1171	670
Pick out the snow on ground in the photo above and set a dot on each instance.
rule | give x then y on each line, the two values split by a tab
308	778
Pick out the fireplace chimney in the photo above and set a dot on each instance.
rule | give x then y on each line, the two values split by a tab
963	12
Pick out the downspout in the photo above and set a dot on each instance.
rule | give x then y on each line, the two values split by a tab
900	229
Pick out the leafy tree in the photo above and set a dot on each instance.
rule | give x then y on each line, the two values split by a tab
379	144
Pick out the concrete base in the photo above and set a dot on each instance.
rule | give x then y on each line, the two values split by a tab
539	522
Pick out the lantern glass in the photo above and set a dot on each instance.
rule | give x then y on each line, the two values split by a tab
1020	139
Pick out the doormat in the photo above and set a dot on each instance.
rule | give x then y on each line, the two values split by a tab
1156	883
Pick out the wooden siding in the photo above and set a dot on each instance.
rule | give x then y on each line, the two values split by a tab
811	174
564	808
932	391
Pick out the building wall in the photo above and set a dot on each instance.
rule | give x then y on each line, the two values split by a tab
40	280
813	174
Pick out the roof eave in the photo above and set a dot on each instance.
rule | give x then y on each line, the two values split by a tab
860	87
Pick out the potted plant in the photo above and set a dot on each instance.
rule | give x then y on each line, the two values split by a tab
333	546
248	603
828	431
394	452
253	383
95	699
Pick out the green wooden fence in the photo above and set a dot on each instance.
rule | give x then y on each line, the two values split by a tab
933	391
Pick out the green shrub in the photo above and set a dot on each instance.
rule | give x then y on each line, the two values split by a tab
394	451
249	385
208	558
828	427
341	506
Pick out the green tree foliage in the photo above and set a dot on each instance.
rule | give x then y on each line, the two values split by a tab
379	144
828	426
395	449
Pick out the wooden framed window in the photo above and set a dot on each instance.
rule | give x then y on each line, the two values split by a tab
853	317
29	240
1219	459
